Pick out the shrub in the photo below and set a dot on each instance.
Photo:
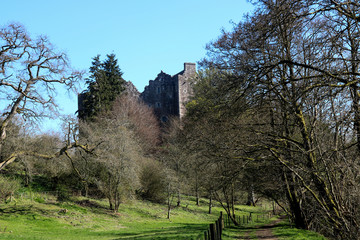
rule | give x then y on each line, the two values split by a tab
8	186
153	188
62	192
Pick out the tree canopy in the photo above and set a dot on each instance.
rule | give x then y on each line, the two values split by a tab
104	85
286	80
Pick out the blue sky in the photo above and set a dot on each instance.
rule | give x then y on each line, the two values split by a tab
147	36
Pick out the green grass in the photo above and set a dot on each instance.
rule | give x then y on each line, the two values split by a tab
248	230
285	231
40	216
282	231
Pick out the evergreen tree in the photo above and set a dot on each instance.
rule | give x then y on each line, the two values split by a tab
104	85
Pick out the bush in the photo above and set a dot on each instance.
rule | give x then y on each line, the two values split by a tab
62	192
8	186
153	188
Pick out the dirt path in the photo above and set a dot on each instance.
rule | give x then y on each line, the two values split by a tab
264	232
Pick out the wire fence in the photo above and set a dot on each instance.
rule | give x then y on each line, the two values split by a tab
215	230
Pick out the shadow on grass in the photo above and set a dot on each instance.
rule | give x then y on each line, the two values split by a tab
232	232
184	231
22	210
262	226
89	204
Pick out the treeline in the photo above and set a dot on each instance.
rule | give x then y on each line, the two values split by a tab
276	112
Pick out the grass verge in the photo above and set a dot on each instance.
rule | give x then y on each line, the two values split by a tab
283	231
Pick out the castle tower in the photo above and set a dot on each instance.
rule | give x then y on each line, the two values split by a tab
184	85
169	94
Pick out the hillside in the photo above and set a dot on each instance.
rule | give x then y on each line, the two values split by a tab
34	215
45	218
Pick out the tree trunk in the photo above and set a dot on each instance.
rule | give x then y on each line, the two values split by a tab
294	203
117	203
230	210
251	197
111	206
210	203
197	190
86	188
178	198
233	199
169	202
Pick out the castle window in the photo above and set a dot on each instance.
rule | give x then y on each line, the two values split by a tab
164	119
158	90
158	105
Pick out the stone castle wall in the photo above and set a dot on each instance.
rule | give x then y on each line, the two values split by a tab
184	86
168	94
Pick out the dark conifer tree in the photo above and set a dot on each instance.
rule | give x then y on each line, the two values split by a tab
105	83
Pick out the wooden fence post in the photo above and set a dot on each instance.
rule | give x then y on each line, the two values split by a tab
215	230
217	224
212	232
222	221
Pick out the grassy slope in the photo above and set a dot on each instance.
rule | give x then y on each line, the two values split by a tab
47	219
44	218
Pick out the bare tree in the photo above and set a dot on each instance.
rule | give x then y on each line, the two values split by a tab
120	138
141	120
30	72
115	161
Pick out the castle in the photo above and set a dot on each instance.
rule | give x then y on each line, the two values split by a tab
168	94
